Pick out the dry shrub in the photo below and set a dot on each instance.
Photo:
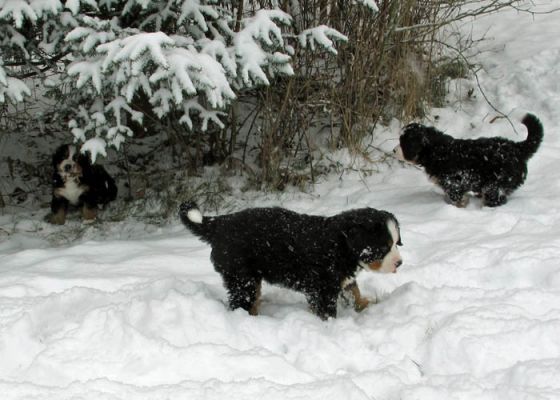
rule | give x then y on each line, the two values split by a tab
395	65
382	72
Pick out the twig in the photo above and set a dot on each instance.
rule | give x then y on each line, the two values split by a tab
479	85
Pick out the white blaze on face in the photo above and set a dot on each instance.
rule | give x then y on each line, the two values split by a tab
393	257
63	169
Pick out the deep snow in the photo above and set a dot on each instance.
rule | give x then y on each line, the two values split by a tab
136	312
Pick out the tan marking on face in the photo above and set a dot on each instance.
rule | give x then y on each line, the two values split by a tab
375	266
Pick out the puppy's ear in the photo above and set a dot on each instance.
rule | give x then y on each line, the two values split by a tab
398	226
361	243
60	154
84	159
419	134
412	144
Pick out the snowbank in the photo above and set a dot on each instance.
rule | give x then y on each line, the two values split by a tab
474	312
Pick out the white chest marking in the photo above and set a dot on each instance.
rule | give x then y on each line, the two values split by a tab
71	191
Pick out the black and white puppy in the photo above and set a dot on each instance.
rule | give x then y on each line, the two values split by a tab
78	183
318	256
491	168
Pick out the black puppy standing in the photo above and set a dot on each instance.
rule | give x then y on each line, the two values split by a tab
78	183
318	256
491	168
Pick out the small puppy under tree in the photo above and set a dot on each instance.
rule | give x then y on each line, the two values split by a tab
78	183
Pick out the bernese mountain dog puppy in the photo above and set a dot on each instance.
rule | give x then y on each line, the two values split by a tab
490	168
318	256
78	183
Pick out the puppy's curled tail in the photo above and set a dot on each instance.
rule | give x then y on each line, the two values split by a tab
193	219
534	135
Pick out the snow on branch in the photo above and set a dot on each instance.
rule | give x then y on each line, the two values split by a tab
369	4
74	5
193	106
88	70
218	51
189	56
321	35
190	71
119	107
19	10
131	48
258	33
94	33
95	146
194	10
12	88
157	65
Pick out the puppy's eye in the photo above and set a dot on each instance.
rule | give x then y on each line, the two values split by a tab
399	243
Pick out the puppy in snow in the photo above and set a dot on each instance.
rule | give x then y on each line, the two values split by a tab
491	168
318	256
78	183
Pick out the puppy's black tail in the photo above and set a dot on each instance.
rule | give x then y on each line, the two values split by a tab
193	219
534	135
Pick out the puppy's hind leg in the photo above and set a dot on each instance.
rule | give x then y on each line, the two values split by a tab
455	195
323	303
243	292
255	307
494	196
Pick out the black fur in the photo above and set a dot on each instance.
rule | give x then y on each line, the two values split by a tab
491	168
310	254
91	184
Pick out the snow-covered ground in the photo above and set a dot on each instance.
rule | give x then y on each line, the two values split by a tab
136	312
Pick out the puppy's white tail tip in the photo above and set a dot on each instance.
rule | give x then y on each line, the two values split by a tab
189	213
194	215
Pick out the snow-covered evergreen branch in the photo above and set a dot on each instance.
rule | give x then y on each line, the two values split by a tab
322	36
186	56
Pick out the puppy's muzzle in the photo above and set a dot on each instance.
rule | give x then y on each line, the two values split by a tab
397	151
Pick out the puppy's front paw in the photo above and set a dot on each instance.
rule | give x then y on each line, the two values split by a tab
89	214
361	304
58	218
461	203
